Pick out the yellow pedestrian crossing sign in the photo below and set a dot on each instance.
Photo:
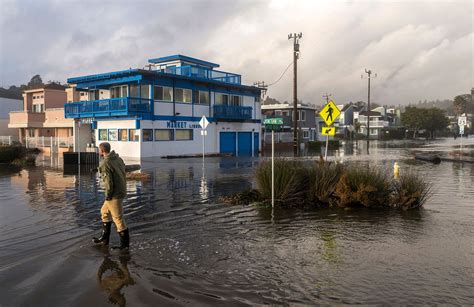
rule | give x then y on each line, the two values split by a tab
329	113
328	131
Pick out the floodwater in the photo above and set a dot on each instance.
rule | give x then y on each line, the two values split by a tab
187	248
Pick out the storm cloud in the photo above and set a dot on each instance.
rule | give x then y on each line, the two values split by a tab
419	49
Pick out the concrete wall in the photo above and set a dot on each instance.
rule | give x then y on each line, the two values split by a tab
124	149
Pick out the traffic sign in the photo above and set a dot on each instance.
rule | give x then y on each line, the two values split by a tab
273	121
329	113
328	131
461	130
203	122
462	120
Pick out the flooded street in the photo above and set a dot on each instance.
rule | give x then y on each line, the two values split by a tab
187	248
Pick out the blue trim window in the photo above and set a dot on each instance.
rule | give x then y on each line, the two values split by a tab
119	91
222	99
164	134
236	100
147	135
203	98
103	135
163	93
113	135
145	91
184	134
123	135
134	91
183	95
134	135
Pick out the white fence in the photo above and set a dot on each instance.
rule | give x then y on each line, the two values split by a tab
52	142
6	140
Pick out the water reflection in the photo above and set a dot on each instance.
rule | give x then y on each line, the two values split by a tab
113	275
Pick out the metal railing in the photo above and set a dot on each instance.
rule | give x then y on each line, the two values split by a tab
49	141
107	107
203	73
6	140
232	112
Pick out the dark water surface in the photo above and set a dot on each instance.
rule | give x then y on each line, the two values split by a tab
187	248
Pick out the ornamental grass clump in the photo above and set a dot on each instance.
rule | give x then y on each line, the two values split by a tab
363	187
291	182
323	178
410	191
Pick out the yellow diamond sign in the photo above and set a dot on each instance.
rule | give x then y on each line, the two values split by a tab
329	113
328	131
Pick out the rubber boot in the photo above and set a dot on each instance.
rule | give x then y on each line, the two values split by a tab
124	240
104	238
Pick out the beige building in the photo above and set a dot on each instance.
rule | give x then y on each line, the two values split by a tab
41	123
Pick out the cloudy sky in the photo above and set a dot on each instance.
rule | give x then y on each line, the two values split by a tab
419	49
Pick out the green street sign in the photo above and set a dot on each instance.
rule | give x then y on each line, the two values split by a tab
273	121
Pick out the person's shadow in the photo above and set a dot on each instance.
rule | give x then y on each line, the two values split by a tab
113	276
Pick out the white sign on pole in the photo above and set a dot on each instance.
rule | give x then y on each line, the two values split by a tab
461	130
462	120
203	122
203	132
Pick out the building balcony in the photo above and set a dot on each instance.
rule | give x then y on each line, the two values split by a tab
124	106
225	112
203	73
375	123
26	119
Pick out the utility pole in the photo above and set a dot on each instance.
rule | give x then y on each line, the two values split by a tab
261	85
327	97
368	72
296	52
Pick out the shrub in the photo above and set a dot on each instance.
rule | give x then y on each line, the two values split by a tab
410	191
291	182
242	198
367	187
323	178
10	153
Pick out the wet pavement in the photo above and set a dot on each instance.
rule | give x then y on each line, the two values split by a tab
187	248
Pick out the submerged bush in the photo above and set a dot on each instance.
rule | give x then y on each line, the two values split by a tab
410	191
323	179
9	154
291	182
367	187
242	198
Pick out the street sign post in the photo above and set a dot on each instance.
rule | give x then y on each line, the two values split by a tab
329	114
462	121
203	123
273	124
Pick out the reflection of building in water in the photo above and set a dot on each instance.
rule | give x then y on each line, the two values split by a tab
113	276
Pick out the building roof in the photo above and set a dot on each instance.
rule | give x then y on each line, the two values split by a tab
283	106
179	57
371	113
347	106
49	86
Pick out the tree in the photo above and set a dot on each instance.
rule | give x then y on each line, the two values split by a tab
35	80
412	119
434	120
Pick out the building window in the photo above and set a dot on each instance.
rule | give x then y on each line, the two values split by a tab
278	112
183	95
285	113
113	135
38	108
134	135
203	98
306	134
236	100
118	91
163	134
163	93
83	94
123	135
145	91
147	135
94	95
134	91
184	134
222	99
301	115
373	131
102	134
31	133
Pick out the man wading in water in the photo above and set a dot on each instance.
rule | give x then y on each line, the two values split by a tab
112	172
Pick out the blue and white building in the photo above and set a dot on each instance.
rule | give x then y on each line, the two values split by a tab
155	112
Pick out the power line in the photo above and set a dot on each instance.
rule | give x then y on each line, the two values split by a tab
286	69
